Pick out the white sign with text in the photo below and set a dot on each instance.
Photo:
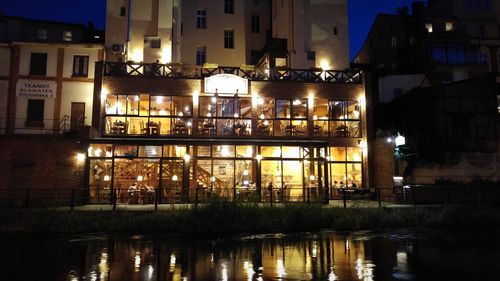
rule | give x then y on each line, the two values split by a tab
36	89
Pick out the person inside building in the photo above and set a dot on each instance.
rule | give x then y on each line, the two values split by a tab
131	192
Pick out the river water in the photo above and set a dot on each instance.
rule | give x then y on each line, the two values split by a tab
409	254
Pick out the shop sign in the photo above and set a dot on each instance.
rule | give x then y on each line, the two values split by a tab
36	89
226	84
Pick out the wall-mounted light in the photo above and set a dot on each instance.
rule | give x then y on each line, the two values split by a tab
310	100
196	98
104	93
400	140
80	157
362	100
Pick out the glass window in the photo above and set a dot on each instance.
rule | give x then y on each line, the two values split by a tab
67	36
176	151
201	19
100	150
299	109
270	151
291	151
35	111
244	151
223	151
337	154
228	6
255	24
229	39
133	105
265	108
38	64
201	54
126	150
204	151
150	151
42	34
283	109
80	66
182	106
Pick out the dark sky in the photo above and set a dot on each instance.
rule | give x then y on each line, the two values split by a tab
361	13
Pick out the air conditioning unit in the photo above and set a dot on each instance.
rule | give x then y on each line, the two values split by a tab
118	48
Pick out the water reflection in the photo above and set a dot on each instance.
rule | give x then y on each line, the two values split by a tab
321	256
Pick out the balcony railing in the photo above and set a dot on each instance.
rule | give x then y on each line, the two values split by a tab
125	69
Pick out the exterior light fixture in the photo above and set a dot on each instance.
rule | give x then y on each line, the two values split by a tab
389	140
196	98
400	140
80	157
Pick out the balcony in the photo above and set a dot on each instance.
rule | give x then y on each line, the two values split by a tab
133	69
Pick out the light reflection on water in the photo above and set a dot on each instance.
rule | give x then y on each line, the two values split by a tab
400	255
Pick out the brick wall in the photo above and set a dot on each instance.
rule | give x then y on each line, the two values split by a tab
40	162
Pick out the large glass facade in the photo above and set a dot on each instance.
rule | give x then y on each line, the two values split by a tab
248	173
144	114
162	115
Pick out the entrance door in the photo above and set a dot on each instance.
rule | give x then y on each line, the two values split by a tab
77	115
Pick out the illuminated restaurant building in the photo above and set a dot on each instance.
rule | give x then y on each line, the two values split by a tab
253	133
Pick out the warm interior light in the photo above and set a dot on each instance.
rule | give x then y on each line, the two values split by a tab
104	93
224	151
212	178
137	55
98	152
189	124
261	116
159	99
213	99
196	98
266	122
106	178
187	157
258	157
140	178
80	157
312	177
324	64
174	178
166	54
362	100
315	117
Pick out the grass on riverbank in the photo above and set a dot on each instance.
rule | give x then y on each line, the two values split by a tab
230	218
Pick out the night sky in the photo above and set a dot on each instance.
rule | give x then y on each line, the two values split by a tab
361	13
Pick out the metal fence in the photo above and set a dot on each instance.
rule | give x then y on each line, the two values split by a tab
410	196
